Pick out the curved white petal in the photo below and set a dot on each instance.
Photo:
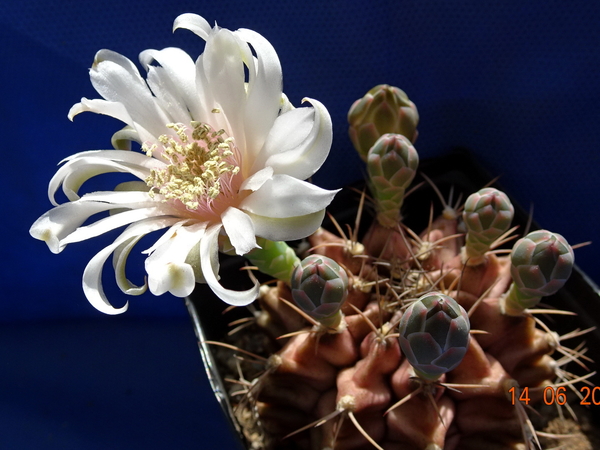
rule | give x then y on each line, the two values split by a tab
56	225
132	186
193	22
265	84
240	230
284	104
210	268
299	142
284	196
92	275
165	237
122	139
82	166
287	229
166	266
99	106
174	82
125	199
210	112
256	180
111	109
123	62
167	96
61	221
174	277
110	223
120	256
223	63
117	80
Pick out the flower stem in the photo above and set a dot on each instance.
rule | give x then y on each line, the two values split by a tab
515	302
276	259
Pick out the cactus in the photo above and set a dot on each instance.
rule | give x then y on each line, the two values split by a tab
319	288
434	335
433	349
541	263
487	216
392	163
384	109
400	340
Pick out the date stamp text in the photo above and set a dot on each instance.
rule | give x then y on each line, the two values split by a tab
557	395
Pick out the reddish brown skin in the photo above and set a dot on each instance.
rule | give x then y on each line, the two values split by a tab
358	326
417	423
317	371
480	368
367	380
299	358
386	243
283	319
335	248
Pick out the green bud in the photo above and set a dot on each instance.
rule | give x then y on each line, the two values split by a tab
319	288
274	258
384	109
541	263
487	216
434	335
392	164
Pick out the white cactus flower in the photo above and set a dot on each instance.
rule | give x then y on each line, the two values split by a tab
223	152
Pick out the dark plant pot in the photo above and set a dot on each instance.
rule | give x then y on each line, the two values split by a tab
457	172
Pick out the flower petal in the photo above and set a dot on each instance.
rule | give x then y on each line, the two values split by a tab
92	275
174	82
110	223
223	63
82	166
120	256
122	139
284	196
166	266
167	96
239	229
210	268
299	142
117	79
289	228
211	111
256	180
193	22
174	277
265	84
111	109
56	224
284	104
62	224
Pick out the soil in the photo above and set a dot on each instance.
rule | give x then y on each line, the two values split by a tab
582	434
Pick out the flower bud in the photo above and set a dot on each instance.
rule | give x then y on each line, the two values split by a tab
541	263
487	216
434	335
392	165
384	109
319	288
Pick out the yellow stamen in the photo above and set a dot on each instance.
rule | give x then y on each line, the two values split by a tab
195	166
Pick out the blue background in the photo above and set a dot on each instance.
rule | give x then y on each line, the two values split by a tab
516	82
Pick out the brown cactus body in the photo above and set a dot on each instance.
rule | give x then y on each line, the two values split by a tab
352	377
389	375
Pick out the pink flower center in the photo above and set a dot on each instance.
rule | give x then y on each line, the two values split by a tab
202	173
